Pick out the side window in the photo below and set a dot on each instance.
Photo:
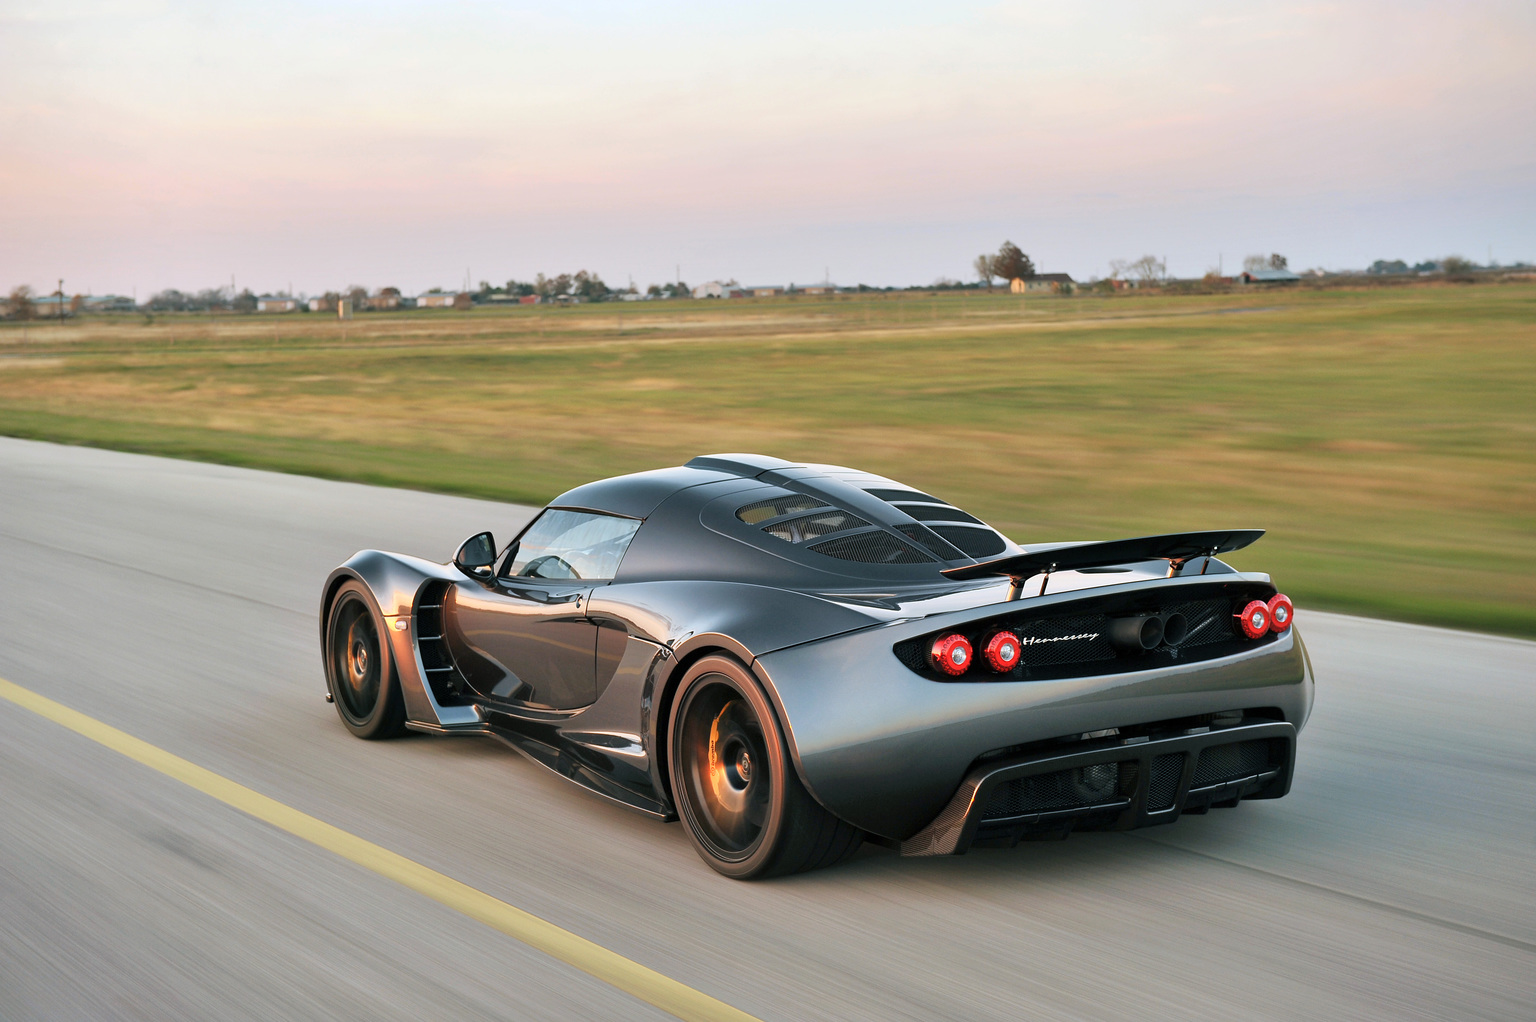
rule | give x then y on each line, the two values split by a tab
572	544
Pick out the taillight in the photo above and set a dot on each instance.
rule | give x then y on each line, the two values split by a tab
1002	652
952	654
1254	619
1281	610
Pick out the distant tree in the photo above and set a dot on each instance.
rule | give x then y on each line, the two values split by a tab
655	291
1255	262
245	301
1425	267
207	300
552	287
520	288
1278	261
169	300
20	303
1118	269
983	267
1011	263
1148	269
589	286
1382	266
1456	266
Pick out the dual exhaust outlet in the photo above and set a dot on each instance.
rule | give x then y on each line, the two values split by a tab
1148	631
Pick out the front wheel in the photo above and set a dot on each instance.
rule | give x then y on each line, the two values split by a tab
735	787
358	667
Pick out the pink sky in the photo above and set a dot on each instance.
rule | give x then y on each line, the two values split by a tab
150	145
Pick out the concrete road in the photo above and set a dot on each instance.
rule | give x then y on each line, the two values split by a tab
177	601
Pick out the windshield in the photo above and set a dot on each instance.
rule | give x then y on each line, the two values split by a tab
572	544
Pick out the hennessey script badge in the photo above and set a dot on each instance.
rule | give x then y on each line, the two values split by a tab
1030	640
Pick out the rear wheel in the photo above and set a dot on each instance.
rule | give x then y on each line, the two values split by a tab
735	787
358	667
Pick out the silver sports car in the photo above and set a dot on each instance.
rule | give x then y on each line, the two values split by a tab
794	659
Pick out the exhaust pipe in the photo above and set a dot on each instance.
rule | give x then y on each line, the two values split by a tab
1175	629
1136	633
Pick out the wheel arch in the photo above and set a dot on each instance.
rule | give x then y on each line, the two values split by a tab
687	654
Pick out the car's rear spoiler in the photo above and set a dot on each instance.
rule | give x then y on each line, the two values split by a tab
1175	547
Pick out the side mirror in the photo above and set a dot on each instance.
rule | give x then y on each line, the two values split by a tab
476	557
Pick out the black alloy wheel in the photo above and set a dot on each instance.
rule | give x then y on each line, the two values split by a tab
735	787
358	667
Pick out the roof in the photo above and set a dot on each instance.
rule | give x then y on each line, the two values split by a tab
749	517
1270	275
1055	278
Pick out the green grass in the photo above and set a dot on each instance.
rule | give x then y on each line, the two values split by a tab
1387	438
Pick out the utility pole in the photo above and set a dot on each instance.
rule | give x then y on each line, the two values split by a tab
61	299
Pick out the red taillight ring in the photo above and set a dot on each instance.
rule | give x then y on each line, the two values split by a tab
1254	619
1002	652
1281	610
952	654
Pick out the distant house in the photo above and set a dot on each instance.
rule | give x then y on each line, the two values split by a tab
763	291
1269	277
276	303
717	289
826	287
387	298
529	300
322	304
51	306
109	303
1042	283
444	300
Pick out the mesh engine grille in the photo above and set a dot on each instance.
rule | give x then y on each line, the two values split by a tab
1230	762
1163	785
941	513
1209	621
1061	789
974	542
930	541
871	548
891	495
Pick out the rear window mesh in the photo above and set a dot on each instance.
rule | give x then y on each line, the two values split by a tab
872	548
811	527
974	542
766	509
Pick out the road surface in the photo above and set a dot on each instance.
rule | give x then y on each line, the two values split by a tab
177	601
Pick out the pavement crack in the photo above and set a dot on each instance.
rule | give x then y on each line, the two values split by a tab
1387	906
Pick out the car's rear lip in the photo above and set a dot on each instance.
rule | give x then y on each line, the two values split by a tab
954	829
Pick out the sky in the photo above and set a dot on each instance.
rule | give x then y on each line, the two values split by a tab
146	145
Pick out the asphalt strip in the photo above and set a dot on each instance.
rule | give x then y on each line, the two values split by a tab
612	968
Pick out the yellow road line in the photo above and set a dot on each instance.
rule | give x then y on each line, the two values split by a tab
631	977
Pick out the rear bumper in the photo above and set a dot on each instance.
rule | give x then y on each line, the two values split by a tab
1111	786
886	749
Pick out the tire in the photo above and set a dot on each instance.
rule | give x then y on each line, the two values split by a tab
359	672
736	789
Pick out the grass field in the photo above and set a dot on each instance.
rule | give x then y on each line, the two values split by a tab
1386	438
